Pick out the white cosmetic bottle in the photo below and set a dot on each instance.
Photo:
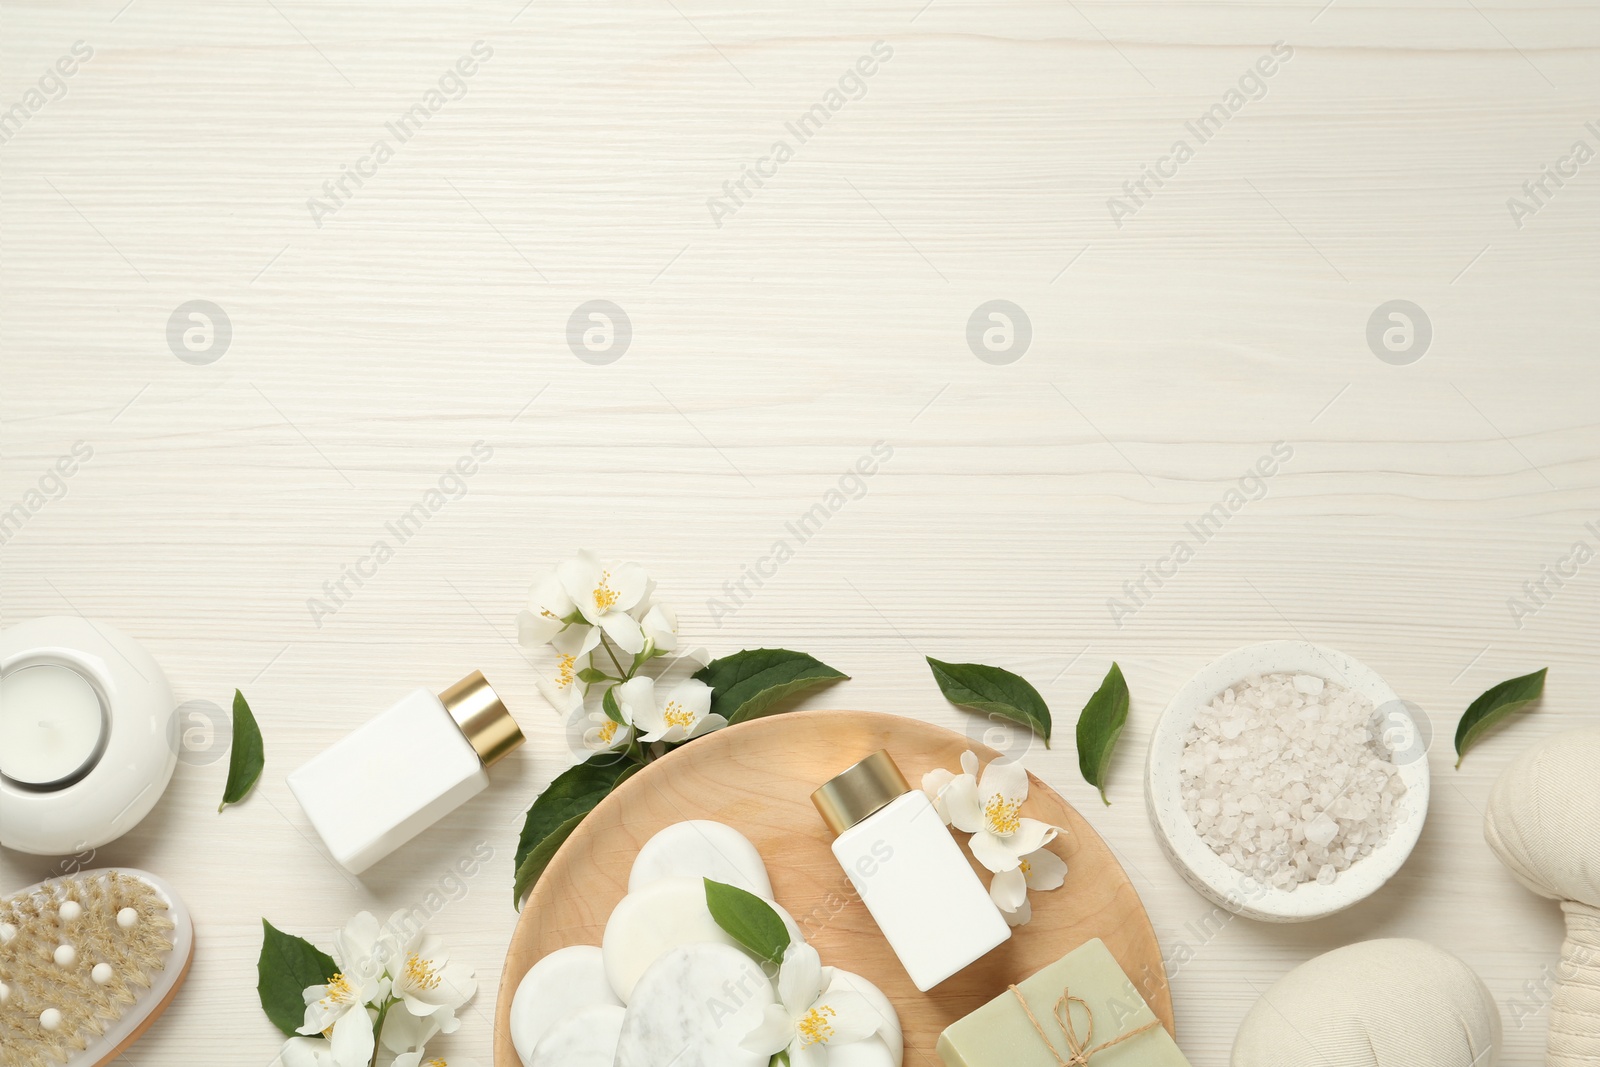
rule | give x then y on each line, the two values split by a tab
404	770
909	871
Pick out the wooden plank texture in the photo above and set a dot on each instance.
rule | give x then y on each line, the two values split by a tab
579	161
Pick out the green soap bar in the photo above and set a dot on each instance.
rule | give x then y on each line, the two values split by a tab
999	1034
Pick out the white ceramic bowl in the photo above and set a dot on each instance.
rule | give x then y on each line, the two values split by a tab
1202	867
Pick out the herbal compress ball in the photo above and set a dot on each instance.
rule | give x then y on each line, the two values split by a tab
1541	822
1388	1003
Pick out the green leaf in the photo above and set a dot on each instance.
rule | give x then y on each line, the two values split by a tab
534	863
994	690
247	756
572	795
1495	705
749	684
1099	726
608	704
749	920
287	967
590	675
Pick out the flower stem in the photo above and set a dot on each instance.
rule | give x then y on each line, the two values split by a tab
377	1030
607	646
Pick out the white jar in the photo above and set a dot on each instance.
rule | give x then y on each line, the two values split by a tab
909	871
404	770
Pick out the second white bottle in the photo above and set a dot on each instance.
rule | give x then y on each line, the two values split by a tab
910	873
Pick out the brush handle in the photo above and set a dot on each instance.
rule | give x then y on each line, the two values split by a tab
1574	1039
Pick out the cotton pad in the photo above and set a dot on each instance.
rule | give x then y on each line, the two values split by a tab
661	916
888	1030
700	848
562	984
693	1007
587	1039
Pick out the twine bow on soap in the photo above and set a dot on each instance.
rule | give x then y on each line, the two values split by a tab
1078	1050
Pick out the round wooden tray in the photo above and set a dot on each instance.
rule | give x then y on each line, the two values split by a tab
758	778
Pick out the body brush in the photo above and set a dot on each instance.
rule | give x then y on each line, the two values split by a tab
87	962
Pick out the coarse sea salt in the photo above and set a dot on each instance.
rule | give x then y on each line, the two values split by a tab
1286	778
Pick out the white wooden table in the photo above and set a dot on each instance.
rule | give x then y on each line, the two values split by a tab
826	312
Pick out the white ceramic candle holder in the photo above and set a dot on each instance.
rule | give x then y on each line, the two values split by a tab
1202	867
67	783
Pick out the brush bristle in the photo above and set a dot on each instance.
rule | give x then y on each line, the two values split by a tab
51	1006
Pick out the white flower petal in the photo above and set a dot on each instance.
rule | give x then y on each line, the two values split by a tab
996	853
580	577
969	763
772	1034
623	631
706	725
458	983
305	1052
933	785
853	1017
432	985
318	1015
693	695
548	604
534	631
630	582
1044	870
808	1055
352	1041
588	638
799	979
354	945
660	626
961	799
1005	779
1009	890
564	699
1021	916
636	699
642	606
1032	835
603	735
570	641
403	1031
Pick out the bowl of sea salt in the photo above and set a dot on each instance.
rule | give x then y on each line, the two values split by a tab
1287	781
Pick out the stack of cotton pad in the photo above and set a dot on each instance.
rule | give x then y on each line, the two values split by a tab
667	985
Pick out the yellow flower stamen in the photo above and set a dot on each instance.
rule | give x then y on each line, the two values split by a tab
565	675
1027	868
604	597
420	972
815	1028
339	991
675	714
436	1062
1002	815
607	731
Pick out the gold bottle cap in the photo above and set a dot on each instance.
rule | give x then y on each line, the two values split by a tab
488	726
868	787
